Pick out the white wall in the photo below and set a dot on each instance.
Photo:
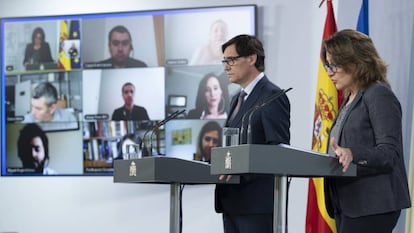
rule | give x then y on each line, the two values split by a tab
291	32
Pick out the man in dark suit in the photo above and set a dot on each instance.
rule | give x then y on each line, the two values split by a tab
248	207
129	111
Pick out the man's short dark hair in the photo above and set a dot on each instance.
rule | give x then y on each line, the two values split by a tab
247	45
127	84
120	29
46	90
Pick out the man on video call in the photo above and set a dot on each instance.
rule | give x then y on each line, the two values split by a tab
44	106
129	112
33	150
120	47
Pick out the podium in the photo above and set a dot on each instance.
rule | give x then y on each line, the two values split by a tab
278	160
166	170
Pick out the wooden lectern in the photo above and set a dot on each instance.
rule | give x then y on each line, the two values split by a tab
278	160
166	170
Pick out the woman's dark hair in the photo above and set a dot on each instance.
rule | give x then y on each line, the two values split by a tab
24	149
40	31
207	127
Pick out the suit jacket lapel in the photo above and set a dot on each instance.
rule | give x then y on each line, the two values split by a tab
357	98
232	107
250	102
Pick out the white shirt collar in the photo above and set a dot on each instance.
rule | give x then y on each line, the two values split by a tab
251	85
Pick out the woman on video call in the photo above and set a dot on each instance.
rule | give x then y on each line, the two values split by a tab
212	99
38	51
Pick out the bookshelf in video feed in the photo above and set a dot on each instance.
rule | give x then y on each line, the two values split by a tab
81	91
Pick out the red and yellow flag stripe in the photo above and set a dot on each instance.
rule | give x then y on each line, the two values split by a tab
327	100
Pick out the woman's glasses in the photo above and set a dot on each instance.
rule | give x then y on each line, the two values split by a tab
331	68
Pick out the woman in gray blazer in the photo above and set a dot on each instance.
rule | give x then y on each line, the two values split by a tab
367	132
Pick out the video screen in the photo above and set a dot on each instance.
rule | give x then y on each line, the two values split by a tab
82	91
195	37
120	42
31	46
202	87
105	141
107	91
193	139
29	94
30	150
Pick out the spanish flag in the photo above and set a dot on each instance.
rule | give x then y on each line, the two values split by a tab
326	108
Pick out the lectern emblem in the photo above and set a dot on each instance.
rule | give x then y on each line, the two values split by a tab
132	169
227	161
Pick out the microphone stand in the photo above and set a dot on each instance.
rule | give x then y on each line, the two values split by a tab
156	127
144	143
251	112
242	130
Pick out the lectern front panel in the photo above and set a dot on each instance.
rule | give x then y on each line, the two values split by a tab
280	160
